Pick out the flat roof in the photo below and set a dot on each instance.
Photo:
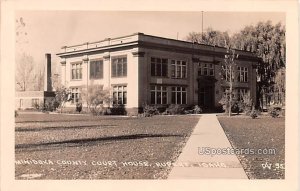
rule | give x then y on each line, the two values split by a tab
142	39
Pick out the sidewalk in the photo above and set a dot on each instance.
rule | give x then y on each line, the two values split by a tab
192	165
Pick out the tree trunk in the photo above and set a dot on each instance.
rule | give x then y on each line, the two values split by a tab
230	90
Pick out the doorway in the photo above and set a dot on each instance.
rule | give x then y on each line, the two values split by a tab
206	97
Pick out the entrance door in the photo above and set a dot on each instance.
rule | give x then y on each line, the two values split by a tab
206	97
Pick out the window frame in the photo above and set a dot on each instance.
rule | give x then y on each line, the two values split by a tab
124	70
35	101
241	92
243	74
226	75
206	67
179	69
75	95
159	67
117	91
101	69
77	71
159	89
175	90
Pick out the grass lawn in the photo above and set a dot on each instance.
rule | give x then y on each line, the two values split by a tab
260	133
55	146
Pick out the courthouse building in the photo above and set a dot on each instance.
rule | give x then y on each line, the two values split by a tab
141	68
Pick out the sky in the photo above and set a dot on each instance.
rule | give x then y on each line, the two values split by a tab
48	31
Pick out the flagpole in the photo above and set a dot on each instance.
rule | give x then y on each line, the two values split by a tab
202	25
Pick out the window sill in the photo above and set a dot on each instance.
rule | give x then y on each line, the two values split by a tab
76	80
119	77
178	78
207	75
159	76
96	78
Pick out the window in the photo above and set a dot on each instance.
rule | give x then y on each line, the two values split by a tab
237	94
178	69
96	69
205	69
243	74
241	93
119	67
120	95
76	71
199	70
159	67
179	95
34	102
211	70
159	95
226	74
75	95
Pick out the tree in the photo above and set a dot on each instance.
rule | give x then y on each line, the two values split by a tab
209	37
264	39
28	75
268	42
56	81
229	70
279	87
96	97
62	95
24	72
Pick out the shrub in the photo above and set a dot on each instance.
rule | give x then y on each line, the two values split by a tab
79	107
96	98
224	102
247	110
97	110
253	113
197	109
108	111
149	111
175	109
237	106
283	112
55	104
274	112
117	109
246	104
49	105
62	95
36	106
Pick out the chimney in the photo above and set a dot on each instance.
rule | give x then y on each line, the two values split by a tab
47	76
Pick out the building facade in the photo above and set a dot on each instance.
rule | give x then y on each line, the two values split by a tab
141	69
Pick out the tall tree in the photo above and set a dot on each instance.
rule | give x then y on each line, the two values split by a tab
229	73
268	42
96	97
29	76
24	73
279	87
264	39
209	37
